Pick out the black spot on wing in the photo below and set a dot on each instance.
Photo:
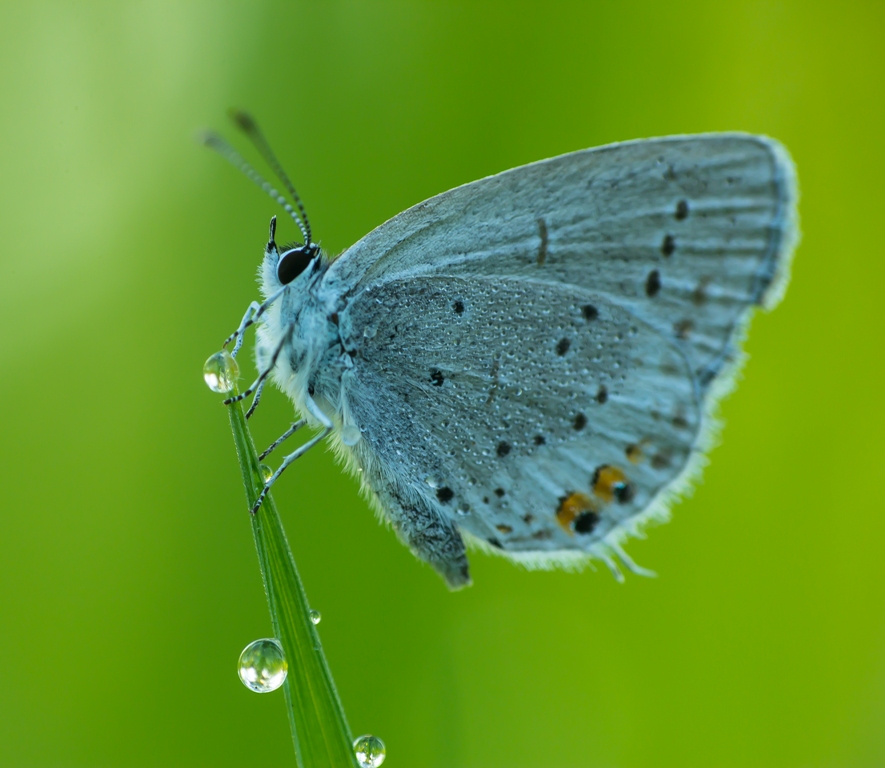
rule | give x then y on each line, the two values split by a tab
653	283
542	248
445	494
661	461
683	328
699	294
624	492
586	522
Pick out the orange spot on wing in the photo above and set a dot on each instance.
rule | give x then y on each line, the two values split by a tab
634	453
571	507
610	484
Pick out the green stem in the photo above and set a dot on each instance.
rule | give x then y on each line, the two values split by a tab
319	728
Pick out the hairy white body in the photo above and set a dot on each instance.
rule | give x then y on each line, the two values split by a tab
533	360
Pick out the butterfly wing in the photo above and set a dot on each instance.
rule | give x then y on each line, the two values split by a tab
538	352
702	225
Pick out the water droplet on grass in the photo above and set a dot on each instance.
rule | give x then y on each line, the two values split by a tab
315	616
262	666
221	372
370	751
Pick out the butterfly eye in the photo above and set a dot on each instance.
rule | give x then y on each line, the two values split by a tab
293	262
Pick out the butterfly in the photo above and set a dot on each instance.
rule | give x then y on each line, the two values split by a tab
530	363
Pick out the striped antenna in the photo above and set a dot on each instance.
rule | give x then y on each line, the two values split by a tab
214	141
247	125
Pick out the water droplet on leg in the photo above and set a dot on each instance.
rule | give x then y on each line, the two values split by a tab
221	372
370	751
351	434
262	666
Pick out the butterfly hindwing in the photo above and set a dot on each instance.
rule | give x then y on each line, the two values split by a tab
531	422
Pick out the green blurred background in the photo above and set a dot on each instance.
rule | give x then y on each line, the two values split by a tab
128	578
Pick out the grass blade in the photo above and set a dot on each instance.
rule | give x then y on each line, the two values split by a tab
319	727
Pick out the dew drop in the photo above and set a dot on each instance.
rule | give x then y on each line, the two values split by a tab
370	751
266	472
262	666
315	616
351	434
221	372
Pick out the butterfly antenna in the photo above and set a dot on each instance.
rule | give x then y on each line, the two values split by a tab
246	123
214	141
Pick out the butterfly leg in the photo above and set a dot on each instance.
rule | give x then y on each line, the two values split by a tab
239	334
285	436
297	453
429	535
253	313
259	382
256	399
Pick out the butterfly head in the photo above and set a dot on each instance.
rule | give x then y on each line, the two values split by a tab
285	263
294	260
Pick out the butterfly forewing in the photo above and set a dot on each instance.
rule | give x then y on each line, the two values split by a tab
685	232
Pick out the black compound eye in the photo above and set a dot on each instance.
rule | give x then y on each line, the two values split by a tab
293	262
